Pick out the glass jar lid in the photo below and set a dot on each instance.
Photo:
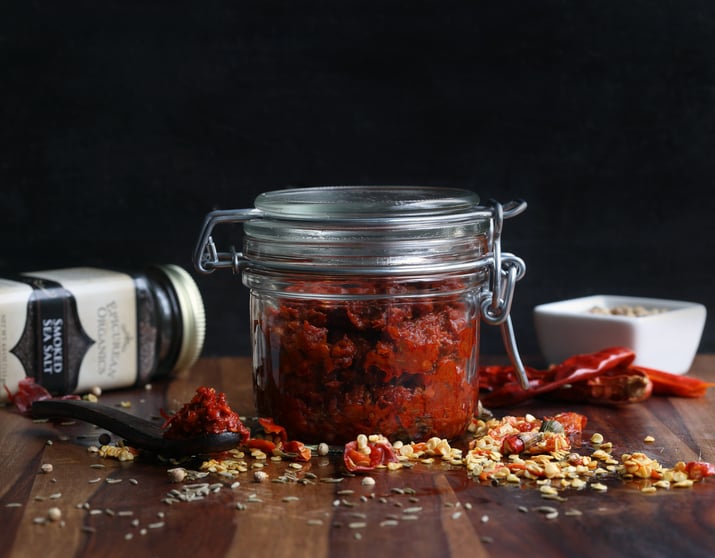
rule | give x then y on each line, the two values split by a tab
365	203
367	230
359	230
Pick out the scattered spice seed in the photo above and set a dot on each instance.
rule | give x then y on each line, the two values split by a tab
176	474
54	514
46	468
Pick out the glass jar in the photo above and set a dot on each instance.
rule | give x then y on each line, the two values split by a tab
366	304
76	328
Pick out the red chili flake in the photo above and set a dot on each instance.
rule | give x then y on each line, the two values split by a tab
277	443
698	470
378	453
29	391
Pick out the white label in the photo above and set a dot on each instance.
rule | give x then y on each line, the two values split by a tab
14	297
106	305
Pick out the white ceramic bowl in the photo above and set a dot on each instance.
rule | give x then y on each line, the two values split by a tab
667	339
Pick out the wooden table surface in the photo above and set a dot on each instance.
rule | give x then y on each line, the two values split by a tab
456	515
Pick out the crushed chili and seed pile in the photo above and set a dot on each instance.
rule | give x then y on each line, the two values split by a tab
507	451
514	450
511	451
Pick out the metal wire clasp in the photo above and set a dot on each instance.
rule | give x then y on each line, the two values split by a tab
207	258
506	270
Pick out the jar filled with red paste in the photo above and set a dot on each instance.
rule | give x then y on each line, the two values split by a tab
366	305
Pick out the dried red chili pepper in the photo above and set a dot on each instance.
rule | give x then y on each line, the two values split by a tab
665	383
574	369
614	387
607	377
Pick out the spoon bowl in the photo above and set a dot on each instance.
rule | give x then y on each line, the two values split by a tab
138	432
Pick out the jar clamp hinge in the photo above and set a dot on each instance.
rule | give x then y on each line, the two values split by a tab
506	270
206	256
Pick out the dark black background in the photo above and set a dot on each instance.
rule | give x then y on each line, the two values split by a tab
124	123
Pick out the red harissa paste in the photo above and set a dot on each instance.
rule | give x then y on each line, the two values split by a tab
404	367
206	413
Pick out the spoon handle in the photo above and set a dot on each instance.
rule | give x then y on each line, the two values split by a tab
140	432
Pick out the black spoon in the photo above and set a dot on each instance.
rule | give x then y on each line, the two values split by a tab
138	432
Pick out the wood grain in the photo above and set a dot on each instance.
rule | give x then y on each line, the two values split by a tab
456	516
